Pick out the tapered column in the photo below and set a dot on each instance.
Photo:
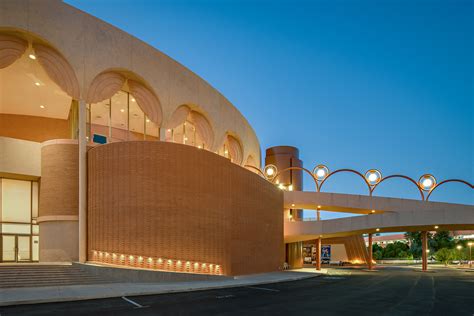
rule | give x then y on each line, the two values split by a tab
370	253
318	254
424	251
82	182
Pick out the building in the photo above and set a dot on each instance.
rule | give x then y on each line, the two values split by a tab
111	152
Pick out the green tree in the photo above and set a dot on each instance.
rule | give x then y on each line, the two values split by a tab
445	255
414	238
442	239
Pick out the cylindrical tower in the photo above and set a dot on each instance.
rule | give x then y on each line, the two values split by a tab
283	157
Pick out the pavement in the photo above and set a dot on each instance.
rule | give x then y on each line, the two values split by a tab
35	295
348	291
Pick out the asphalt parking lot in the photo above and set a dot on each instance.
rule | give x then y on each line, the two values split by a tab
390	291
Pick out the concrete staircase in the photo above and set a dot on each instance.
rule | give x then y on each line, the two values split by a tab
36	275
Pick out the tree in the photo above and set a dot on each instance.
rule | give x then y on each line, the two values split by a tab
445	255
442	239
414	239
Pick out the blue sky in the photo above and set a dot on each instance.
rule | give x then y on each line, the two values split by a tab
352	84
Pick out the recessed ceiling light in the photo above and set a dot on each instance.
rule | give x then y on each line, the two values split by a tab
42	106
373	211
147	120
378	229
122	110
32	56
133	100
37	83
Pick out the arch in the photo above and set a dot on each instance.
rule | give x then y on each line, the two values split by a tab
345	170
255	169
104	86
235	149
58	69
296	168
11	49
448	181
251	161
399	176
178	117
147	100
203	127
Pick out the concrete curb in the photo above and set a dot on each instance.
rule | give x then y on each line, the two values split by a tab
104	295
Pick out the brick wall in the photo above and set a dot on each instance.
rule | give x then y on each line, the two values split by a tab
166	200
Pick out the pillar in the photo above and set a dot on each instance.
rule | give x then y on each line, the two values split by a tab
82	182
294	254
370	253
424	251
318	254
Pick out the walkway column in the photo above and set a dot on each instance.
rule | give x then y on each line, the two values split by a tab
370	252
424	251
82	181
318	254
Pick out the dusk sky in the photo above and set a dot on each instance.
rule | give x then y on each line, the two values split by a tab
353	84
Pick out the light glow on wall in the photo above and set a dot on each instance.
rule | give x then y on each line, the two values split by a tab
162	264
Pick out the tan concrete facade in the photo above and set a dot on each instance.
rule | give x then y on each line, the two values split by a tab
171	201
91	46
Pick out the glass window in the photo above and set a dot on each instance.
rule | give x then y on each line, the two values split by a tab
136	120
100	118
35	248
35	230
119	115
16	201
152	130
34	197
24	229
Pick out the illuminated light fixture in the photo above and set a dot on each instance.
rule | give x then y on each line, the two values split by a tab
373	176
373	211
150	260
95	252
148	120
290	187
196	264
427	251
378	229
179	262
122	257
169	261
42	106
185	139
211	265
270	171
458	247
200	147
436	227
122	110
203	265
427	182
226	152
37	84
160	260
320	172
293	204
32	56
106	254
168	130
281	186
133	100
140	258
290	216
187	263
131	257
319	207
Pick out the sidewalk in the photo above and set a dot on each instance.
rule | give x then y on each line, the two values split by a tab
34	295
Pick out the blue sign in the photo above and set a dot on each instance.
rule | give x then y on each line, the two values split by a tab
326	252
99	139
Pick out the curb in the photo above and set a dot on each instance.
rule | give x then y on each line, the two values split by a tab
145	293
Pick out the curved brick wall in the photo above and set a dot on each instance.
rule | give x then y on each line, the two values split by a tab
166	200
59	187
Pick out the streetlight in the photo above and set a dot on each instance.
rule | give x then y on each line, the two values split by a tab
270	171
320	172
427	182
459	247
373	176
470	254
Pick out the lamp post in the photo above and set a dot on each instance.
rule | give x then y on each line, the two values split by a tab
470	254
459	247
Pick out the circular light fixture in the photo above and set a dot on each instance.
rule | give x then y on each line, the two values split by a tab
436	227
378	229
320	172
373	176
42	106
270	171
427	182
32	56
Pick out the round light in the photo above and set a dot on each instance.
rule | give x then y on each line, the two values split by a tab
32	56
320	172
427	182
436	227
458	247
270	171
373	176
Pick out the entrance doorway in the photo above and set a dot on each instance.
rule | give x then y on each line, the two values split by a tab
16	248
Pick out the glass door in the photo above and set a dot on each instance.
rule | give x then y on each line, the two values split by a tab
8	248
16	248
23	248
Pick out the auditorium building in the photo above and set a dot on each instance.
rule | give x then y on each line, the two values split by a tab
111	152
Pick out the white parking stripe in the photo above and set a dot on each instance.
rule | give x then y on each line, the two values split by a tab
132	302
262	288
